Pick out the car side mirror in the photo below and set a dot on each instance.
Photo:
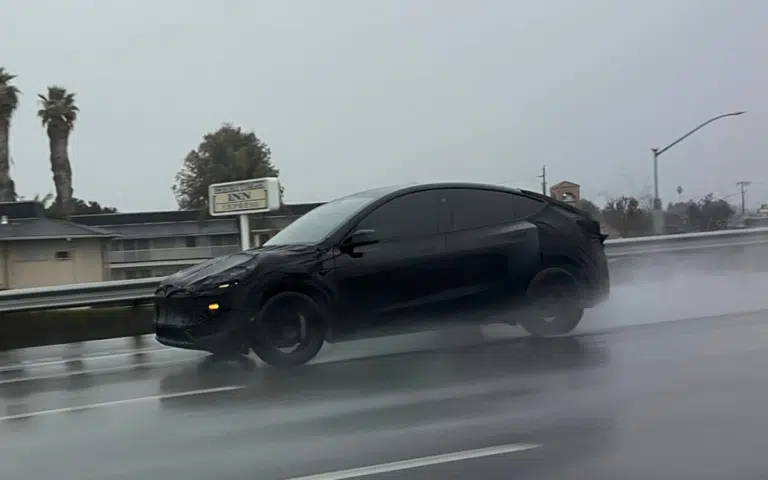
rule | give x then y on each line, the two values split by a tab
359	238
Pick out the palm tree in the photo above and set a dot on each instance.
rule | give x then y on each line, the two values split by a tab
58	113
44	200
9	101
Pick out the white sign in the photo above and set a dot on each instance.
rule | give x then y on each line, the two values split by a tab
244	197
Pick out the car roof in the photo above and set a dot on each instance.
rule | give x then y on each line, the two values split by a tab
476	185
415	187
397	190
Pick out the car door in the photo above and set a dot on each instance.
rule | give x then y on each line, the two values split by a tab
395	281
490	246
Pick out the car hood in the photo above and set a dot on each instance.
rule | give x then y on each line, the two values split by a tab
261	260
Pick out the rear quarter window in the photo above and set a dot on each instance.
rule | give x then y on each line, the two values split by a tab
477	208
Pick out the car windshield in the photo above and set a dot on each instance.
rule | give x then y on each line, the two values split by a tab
314	226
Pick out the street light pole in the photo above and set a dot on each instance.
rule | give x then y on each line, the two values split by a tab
657	216
658	213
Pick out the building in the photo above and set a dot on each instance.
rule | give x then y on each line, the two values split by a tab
156	244
571	193
37	251
153	244
566	191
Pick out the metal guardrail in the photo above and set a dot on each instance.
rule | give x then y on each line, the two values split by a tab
686	242
141	291
104	294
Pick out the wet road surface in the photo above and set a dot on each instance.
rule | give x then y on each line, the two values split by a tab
678	399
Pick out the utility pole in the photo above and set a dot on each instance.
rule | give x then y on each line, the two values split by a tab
743	187
543	178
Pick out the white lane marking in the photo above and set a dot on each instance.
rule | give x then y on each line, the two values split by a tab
418	462
121	402
64	360
98	371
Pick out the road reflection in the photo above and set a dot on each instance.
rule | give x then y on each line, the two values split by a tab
500	360
522	390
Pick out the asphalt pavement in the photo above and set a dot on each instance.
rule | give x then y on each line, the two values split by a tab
648	388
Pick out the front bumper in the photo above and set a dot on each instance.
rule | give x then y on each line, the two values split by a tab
185	321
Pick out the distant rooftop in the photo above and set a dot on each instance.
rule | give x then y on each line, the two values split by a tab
177	216
111	219
17	210
27	221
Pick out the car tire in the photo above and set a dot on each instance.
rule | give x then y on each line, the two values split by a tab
554	303
280	312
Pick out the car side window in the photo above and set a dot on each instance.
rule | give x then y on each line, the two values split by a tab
476	208
409	216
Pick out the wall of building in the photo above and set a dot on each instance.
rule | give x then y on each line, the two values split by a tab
4	274
173	242
132	273
149	248
566	191
40	263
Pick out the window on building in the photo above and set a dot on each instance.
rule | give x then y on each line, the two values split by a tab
168	242
261	238
135	274
62	255
191	242
165	271
133	244
223	240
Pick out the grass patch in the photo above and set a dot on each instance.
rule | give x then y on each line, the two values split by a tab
51	327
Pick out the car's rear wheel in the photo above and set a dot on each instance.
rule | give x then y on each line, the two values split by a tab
289	330
555	303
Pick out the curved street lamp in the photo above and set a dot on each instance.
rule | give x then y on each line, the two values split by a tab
658	214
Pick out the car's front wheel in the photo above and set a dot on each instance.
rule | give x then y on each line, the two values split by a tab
554	301
289	330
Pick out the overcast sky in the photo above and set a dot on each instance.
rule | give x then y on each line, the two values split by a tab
353	94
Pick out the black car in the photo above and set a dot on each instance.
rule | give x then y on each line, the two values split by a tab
392	260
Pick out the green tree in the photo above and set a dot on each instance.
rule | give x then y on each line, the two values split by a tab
58	113
676	218
46	200
588	207
80	207
703	215
626	215
709	213
85	207
9	102
226	155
